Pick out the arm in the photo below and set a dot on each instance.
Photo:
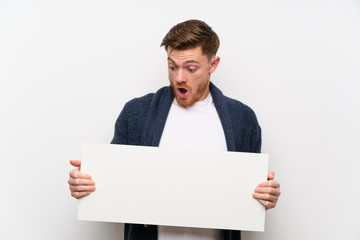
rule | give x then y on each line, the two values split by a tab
80	184
267	193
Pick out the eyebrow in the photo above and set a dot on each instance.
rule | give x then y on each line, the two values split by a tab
189	61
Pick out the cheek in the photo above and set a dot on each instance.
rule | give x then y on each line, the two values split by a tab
171	76
200	81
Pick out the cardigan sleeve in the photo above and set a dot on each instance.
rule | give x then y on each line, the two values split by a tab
256	136
121	128
253	130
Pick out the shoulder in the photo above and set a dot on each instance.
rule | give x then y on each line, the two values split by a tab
237	107
245	126
234	107
240	119
133	117
141	104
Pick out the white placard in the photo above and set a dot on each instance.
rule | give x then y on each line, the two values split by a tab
173	187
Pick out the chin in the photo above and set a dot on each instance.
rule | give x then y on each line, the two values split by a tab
185	103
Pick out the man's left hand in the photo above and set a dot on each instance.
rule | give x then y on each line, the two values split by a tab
267	193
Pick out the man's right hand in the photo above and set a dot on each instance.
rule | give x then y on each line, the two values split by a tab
80	184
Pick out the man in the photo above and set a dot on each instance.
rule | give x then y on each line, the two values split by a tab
192	113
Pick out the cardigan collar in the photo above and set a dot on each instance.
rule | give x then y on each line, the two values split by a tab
159	110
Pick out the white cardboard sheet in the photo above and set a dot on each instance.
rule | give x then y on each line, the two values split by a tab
149	185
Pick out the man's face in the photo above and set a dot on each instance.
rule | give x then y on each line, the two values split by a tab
189	74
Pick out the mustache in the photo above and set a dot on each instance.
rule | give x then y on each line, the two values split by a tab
180	85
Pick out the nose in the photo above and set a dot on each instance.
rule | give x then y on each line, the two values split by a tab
180	76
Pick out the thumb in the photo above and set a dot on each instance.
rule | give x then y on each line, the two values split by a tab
271	175
76	163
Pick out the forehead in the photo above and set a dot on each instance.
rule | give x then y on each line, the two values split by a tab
193	54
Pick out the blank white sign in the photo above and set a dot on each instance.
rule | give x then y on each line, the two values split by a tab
173	187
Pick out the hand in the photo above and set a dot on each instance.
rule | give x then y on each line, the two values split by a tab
80	184
267	193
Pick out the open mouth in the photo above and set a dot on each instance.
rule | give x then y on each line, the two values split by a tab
182	92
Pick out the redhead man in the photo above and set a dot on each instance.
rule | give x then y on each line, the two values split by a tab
191	113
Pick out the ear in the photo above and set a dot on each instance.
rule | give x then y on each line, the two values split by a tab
214	62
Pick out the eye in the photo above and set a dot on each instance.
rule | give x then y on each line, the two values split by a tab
192	69
172	67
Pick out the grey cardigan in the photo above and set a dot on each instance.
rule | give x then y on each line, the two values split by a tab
142	121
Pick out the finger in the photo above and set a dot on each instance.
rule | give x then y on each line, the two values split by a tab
76	163
271	175
80	181
82	188
267	204
268	190
266	197
270	183
78	195
77	174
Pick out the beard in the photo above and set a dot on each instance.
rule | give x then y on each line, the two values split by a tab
192	95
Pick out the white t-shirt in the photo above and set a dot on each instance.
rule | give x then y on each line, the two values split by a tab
194	127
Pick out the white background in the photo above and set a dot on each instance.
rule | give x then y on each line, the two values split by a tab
68	67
